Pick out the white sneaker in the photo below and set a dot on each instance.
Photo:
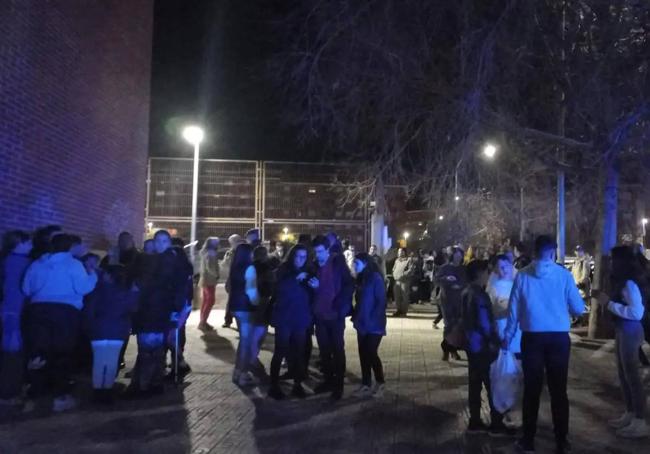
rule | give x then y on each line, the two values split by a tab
363	392
621	422
64	403
638	428
378	392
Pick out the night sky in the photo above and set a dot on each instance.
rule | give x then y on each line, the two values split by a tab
208	65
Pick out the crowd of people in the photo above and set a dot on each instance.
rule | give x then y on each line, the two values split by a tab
61	304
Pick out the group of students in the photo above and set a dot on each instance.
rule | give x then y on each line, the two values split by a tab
59	302
490	306
310	290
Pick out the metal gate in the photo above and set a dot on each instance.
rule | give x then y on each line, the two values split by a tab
282	199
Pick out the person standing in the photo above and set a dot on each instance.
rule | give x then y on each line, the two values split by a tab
499	288
233	241
261	318
580	271
482	345
108	314
403	269
243	298
55	285
543	298
333	287
292	318
369	319
626	305
452	280
14	261
209	277
373	252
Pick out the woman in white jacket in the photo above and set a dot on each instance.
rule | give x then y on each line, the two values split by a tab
626	304
55	285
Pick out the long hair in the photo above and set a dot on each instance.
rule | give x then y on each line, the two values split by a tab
370	268
287	263
206	243
241	260
625	267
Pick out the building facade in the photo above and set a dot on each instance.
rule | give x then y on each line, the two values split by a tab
74	115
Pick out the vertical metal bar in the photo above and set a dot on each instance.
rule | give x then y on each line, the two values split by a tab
195	194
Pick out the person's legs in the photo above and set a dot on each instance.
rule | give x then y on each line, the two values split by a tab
207	303
557	350
399	297
629	340
38	335
363	344
105	362
375	362
281	351
474	376
625	389
150	363
406	295
227	319
11	364
296	354
258	333
337	330
532	356
67	324
326	349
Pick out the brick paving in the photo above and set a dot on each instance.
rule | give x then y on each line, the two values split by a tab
423	410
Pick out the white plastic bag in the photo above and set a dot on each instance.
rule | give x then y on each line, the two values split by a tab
506	379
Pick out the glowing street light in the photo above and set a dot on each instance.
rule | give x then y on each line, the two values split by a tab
441	217
489	150
406	235
457	198
644	222
194	135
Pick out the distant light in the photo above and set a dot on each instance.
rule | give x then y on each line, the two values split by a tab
489	150
285	230
441	217
457	198
406	235
193	134
312	191
644	221
150	225
420	224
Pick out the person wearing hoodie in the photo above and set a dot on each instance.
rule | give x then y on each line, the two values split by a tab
14	260
162	293
626	305
333	287
369	319
543	298
108	317
482	346
403	269
55	285
292	317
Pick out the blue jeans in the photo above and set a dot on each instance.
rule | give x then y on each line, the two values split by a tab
245	347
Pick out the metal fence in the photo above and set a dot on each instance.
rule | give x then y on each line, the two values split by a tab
281	199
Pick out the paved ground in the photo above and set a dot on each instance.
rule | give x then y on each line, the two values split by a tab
423	411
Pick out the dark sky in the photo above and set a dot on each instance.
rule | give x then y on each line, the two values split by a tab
208	65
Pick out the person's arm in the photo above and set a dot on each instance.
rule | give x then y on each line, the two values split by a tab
27	283
576	303
251	285
513	312
633	309
82	282
483	321
379	293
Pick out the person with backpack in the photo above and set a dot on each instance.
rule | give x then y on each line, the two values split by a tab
14	261
369	319
108	316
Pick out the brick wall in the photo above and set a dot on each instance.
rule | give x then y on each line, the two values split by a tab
74	115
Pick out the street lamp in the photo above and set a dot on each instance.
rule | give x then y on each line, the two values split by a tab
406	236
194	135
441	217
489	150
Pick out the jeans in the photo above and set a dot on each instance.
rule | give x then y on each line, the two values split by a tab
369	358
329	334
546	352
106	354
402	292
52	330
478	368
291	344
245	346
629	338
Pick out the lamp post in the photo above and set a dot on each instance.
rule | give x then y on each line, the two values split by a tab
194	135
406	236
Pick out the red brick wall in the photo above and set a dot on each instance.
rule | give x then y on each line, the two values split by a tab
74	115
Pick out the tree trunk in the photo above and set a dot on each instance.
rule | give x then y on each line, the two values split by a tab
522	218
377	219
599	324
561	218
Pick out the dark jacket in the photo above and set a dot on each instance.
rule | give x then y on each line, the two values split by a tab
451	291
340	305
369	316
292	301
108	311
265	286
476	314
164	290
